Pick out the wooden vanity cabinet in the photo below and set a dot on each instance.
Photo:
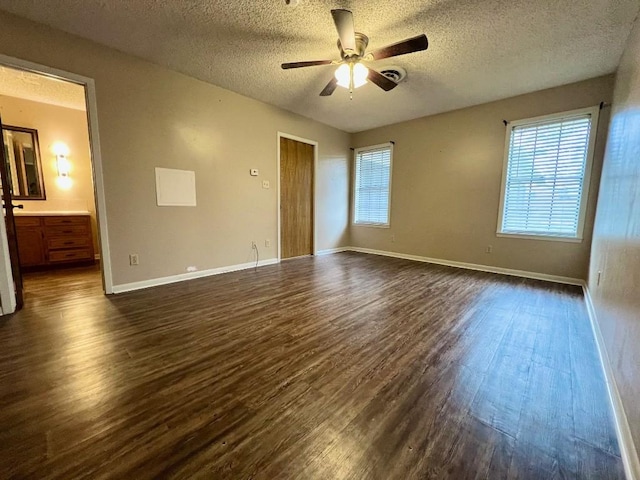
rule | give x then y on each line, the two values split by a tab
54	240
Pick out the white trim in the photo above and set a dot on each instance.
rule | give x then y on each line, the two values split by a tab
586	181
96	156
380	146
628	451
468	266
7	290
330	251
315	185
552	116
540	237
154	282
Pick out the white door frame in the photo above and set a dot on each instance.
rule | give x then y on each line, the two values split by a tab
315	177
7	291
96	161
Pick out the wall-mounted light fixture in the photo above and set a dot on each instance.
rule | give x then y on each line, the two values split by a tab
61	151
64	167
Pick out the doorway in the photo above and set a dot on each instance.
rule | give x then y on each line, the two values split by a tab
297	160
51	171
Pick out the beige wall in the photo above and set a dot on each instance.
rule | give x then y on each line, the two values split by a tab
57	124
151	117
447	173
616	239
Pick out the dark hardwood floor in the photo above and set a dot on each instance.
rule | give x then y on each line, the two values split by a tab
344	366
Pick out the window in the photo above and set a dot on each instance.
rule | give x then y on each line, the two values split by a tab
546	175
372	189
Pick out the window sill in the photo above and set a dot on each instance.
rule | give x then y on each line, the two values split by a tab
548	238
374	225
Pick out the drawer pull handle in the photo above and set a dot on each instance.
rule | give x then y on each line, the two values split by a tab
68	243
71	255
67	231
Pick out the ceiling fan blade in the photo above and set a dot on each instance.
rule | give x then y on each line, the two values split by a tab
380	80
344	25
312	63
410	45
330	88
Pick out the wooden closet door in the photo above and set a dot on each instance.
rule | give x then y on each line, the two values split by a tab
296	198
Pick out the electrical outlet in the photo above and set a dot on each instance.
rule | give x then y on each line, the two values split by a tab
192	269
253	244
133	259
267	243
489	249
265	184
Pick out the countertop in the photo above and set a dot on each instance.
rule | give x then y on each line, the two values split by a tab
19	213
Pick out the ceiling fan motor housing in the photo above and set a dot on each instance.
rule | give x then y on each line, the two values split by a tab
361	45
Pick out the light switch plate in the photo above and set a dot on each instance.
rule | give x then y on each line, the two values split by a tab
253	172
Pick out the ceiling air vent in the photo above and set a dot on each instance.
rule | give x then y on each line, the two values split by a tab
397	74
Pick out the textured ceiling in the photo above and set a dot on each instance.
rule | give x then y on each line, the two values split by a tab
480	50
38	88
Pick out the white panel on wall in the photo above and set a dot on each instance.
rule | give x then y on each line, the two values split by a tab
175	188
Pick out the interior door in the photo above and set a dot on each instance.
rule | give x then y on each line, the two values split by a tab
10	223
296	198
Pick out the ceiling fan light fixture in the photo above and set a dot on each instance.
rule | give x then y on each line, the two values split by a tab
360	74
348	72
343	75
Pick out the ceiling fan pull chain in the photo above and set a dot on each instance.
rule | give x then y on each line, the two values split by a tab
351	81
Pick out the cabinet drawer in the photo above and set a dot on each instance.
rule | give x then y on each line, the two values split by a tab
66	230
65	220
58	256
27	221
57	243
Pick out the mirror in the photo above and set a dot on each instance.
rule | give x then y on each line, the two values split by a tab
22	154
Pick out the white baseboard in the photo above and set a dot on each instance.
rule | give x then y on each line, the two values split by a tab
628	450
329	251
154	282
472	266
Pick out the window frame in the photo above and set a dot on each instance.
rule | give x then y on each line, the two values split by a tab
586	181
356	151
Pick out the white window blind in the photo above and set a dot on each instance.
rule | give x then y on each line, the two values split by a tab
544	182
372	185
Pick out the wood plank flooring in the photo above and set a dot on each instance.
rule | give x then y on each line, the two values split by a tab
347	366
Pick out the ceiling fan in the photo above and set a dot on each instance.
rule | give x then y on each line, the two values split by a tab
352	45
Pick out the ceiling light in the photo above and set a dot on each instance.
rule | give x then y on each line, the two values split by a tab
343	75
351	75
360	74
